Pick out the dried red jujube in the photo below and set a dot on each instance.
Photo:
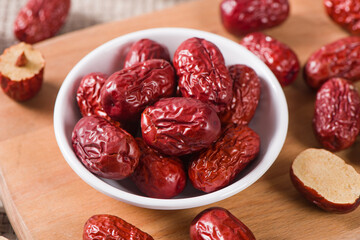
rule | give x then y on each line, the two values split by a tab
105	150
157	175
21	71
202	73
337	59
89	101
244	16
128	92
146	49
88	95
345	13
109	227
218	223
178	126
246	95
40	19
217	166
326	180
337	114
279	57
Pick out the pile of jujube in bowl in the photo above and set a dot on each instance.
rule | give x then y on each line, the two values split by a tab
175	124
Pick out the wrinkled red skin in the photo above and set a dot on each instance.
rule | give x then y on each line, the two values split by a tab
128	92
89	102
202	73
40	19
22	90
246	95
217	166
313	196
336	119
337	59
146	49
105	150
240	17
158	176
88	95
178	126
345	13
281	60
109	227
218	224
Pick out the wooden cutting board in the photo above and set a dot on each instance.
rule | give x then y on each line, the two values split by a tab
45	199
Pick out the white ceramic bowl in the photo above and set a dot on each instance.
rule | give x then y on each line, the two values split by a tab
270	120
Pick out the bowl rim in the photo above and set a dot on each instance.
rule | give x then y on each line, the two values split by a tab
174	203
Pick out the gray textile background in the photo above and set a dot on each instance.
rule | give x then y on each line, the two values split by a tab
83	13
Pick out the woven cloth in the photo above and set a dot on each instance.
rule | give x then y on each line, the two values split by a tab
5	227
83	13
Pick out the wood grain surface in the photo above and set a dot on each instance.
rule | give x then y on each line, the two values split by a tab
45	199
